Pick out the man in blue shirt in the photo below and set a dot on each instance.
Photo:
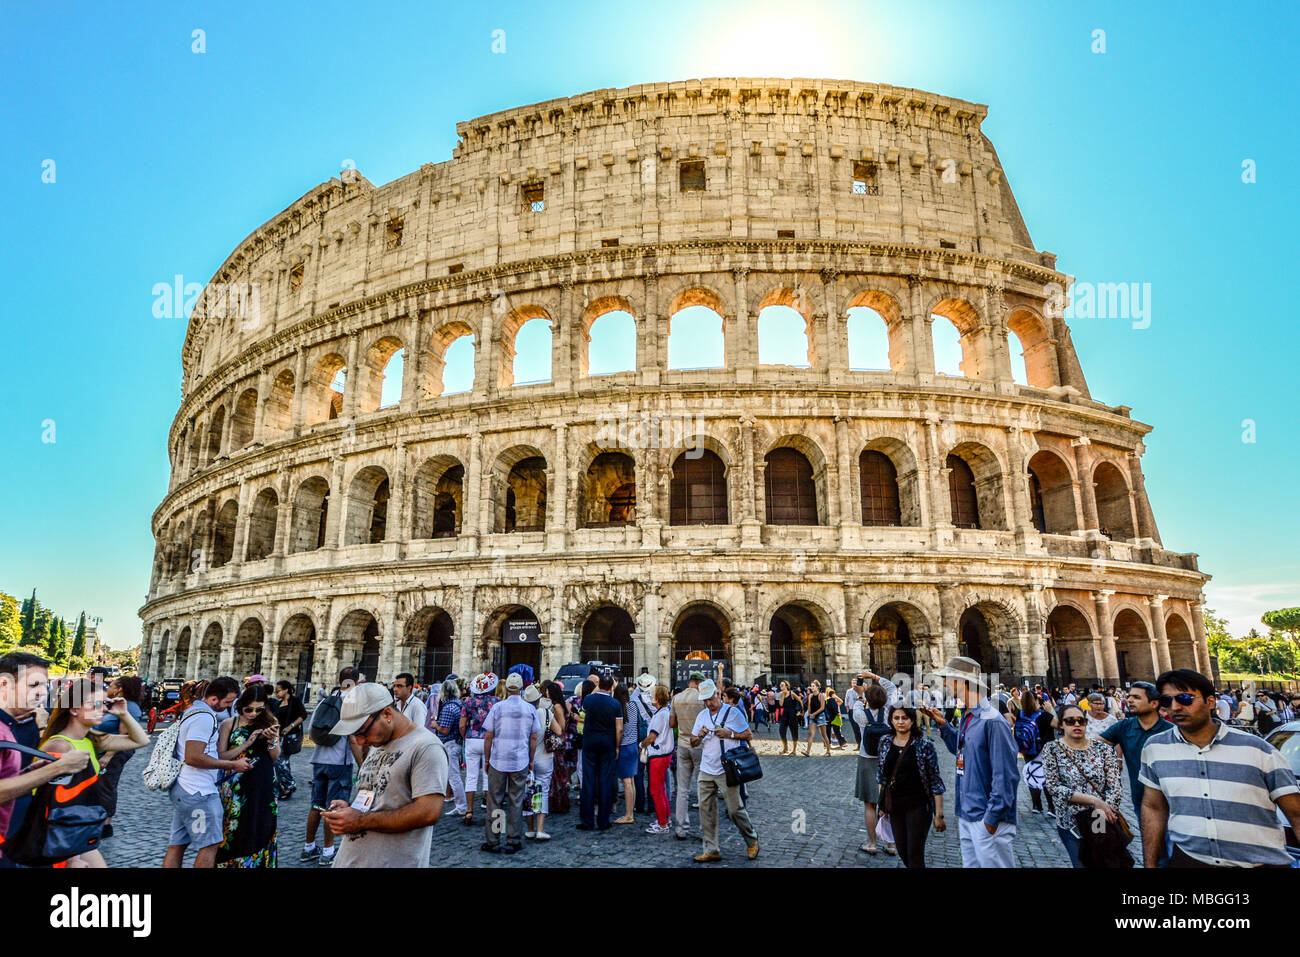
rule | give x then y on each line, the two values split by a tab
1131	734
601	733
987	775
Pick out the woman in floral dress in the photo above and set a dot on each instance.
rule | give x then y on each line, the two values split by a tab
249	798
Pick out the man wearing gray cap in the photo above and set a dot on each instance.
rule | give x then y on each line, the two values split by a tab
987	774
401	788
685	708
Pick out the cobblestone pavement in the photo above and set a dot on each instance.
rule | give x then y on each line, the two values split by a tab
803	809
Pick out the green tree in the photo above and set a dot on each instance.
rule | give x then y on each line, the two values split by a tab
31	609
56	647
79	642
1284	620
11	626
1217	637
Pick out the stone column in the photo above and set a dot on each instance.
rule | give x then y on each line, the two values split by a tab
241	524
283	519
558	522
1202	645
472	496
834	353
1146	519
566	340
1083	463
649	332
920	344
1107	659
353	384
1036	635
463	645
413	364
399	524
263	397
751	476
844	466
299	392
390	637
940	504
742	336
1022	519
1157	605
334	519
949	619
196	639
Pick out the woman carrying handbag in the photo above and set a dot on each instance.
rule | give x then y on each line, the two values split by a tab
1083	779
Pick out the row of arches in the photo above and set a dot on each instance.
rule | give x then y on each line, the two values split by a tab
795	489
876	335
796	642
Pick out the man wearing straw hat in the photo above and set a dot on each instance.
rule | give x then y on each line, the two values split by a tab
987	775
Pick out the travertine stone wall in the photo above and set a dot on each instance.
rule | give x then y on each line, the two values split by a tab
298	518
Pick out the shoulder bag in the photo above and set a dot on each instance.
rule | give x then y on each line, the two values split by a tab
740	765
887	789
1107	848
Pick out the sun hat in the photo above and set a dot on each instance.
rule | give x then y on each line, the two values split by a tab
706	690
358	705
255	679
532	694
963	669
514	682
484	683
645	681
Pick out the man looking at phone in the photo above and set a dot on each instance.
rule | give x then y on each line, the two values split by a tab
400	791
987	774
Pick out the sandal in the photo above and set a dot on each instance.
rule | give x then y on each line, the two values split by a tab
467	819
870	848
625	820
891	850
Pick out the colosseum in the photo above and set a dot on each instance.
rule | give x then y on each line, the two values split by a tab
805	517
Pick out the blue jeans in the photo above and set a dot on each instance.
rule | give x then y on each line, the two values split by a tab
598	782
1071	845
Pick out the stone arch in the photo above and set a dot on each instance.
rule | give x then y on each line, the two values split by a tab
1051	494
1071	644
210	650
878	505
988	630
158	660
212	447
249	638
897	634
429	645
1038	347
691	298
701	625
178	551
1133	649
310	510
510	326
519	478
607	488
386	357
180	656
244	421
366	512
262	523
595	311
325	388
199	558
796	300
605	635
438	497
698	490
194	460
887	310
357	639
223	533
966	319
295	652
985	484
441	354
1114	506
278	415
496	645
1182	643
788	481
799	632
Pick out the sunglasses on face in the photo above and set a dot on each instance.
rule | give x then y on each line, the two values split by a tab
1074	721
362	731
253	710
1183	698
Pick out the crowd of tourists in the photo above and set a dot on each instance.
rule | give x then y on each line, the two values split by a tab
507	753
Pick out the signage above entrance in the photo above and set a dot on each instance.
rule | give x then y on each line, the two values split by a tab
521	633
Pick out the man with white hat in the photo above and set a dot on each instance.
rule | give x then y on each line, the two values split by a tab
987	774
719	726
401	788
511	733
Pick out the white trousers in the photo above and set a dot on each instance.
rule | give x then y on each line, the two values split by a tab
474	765
454	750
979	848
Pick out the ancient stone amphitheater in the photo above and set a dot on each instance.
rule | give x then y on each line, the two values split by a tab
804	518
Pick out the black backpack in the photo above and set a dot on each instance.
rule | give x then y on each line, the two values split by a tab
876	728
323	719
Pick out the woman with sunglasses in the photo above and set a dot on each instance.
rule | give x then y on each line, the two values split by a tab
249	798
1083	779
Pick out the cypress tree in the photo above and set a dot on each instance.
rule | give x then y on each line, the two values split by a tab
79	642
29	621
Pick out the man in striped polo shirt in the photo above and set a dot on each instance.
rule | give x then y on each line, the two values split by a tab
1216	789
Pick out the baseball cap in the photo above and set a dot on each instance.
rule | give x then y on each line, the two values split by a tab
706	690
514	681
358	705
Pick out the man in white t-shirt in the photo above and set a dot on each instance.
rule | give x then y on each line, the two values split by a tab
407	702
196	804
717	726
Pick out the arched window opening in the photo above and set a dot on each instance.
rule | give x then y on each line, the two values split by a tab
223	539
868	339
261	526
879	485
380	385
698	494
1051	494
310	507
798	646
436	650
438	497
783	337
696	339
1133	650
701	632
790	491
390	393
1017	349
1036	512
279	406
367	507
611	344
961	493
607	638
1069	646
215	429
947	347
245	420
607	492
1114	509
248	648
524	504
976	639
325	390
530	354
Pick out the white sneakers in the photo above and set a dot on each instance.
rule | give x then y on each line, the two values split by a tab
542	836
656	828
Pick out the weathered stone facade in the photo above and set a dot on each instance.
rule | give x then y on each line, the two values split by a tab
305	528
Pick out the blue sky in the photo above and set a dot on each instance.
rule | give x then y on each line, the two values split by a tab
1127	164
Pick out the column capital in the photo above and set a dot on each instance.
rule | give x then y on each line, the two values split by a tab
1155	601
1080	442
1103	594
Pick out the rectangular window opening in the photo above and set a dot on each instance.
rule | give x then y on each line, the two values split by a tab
947	244
608	243
864	179
691	176
785	234
394	235
534	196
455	268
295	276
